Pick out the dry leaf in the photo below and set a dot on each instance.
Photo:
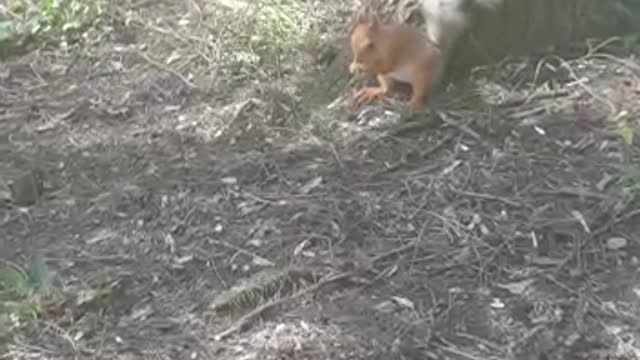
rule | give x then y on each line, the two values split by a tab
451	167
312	184
578	216
300	247
404	302
260	261
517	288
170	242
540	130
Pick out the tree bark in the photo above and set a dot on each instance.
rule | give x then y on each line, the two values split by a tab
526	27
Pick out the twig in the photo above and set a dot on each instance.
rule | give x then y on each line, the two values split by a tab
256	198
409	125
487	197
167	69
459	352
573	192
236	248
616	221
631	65
613	109
63	333
7	219
592	50
437	146
337	156
462	127
523	114
388	169
394	251
485	342
247	318
521	100
527	336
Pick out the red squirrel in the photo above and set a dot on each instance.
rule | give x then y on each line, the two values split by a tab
395	52
400	52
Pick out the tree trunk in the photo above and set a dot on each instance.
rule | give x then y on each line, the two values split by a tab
526	27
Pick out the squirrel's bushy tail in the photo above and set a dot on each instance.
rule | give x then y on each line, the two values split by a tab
447	19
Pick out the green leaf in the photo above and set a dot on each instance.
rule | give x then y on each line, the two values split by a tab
7	30
14	281
40	277
32	26
626	133
33	309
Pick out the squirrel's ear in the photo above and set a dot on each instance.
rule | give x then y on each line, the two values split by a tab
362	17
374	21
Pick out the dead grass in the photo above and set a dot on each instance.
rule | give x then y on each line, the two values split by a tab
179	161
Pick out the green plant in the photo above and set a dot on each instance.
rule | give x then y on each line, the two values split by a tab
629	180
66	16
626	130
49	20
278	26
22	291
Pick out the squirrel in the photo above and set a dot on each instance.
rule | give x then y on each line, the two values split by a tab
395	52
400	52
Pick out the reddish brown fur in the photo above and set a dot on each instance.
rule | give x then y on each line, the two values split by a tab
386	49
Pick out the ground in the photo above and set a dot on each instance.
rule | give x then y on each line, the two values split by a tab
223	218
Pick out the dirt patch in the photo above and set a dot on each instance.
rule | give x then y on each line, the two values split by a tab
485	234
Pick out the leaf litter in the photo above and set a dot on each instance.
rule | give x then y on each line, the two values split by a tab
486	235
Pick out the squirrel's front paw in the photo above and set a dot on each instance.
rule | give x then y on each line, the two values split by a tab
355	68
369	93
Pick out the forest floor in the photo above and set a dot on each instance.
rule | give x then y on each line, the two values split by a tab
194	206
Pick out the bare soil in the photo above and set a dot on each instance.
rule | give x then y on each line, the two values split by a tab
495	231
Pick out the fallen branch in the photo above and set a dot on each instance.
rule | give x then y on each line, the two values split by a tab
247	318
464	128
616	221
521	100
488	197
568	191
167	69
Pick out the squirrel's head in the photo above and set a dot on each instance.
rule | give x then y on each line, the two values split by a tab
363	42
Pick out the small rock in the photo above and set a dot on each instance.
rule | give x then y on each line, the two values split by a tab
497	304
229	180
616	243
255	243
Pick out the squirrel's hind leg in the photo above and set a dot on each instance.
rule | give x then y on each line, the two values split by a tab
422	82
